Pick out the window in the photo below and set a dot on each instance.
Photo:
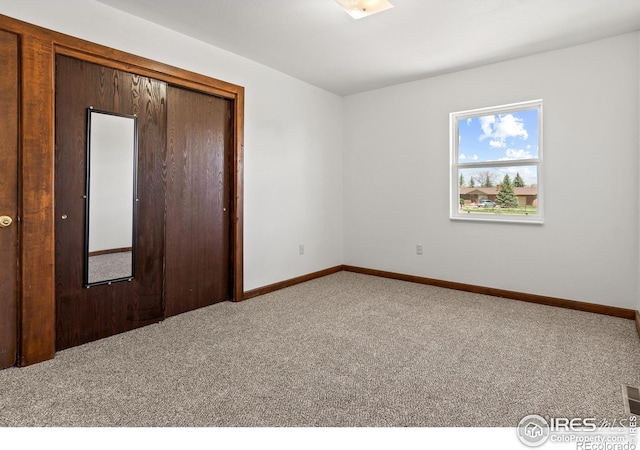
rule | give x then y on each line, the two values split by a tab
496	163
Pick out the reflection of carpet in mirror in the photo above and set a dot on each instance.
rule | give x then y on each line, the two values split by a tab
110	266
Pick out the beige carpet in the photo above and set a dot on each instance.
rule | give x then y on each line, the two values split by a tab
346	350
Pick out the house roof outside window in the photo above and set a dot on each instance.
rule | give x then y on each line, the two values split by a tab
528	190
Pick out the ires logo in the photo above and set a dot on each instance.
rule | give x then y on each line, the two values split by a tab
533	430
563	424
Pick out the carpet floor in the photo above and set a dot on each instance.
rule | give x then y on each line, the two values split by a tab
346	350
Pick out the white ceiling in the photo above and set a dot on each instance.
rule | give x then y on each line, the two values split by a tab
316	41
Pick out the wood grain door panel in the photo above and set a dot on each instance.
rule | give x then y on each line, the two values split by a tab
9	98
82	314
199	157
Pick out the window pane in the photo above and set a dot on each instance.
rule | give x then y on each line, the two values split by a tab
498	137
499	190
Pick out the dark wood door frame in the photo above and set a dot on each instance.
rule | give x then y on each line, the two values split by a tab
38	50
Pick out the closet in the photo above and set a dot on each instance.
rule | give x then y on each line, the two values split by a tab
182	234
185	245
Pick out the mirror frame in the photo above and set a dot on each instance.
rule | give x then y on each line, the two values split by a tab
134	199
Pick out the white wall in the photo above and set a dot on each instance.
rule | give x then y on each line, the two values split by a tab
293	136
397	177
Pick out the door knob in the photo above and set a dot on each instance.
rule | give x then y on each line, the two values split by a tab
5	221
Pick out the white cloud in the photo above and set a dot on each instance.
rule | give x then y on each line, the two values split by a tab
487	123
475	157
462	156
499	128
497	144
518	154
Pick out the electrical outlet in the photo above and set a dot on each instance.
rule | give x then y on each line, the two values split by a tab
301	249
419	249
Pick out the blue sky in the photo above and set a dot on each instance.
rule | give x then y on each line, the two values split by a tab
500	137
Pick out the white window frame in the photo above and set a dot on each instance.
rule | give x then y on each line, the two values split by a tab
454	119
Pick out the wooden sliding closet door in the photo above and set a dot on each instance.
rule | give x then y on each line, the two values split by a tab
82	314
8	197
199	161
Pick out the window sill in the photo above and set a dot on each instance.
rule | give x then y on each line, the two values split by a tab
534	220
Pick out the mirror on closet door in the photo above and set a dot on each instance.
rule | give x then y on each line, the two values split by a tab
112	142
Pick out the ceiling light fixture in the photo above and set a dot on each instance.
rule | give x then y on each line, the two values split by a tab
363	8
